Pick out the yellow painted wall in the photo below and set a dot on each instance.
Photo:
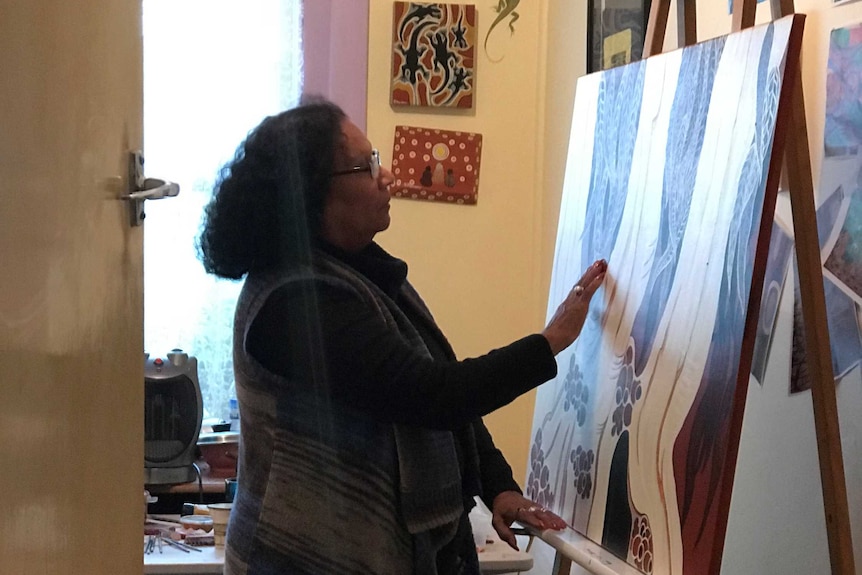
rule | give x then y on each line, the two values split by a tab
480	268
484	270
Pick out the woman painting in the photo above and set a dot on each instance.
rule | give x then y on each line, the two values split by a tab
362	440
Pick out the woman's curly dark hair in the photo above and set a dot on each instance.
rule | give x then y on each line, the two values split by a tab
266	205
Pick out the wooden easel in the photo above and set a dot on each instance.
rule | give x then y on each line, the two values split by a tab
797	164
818	352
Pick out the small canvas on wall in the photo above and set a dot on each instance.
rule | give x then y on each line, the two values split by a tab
433	54
436	165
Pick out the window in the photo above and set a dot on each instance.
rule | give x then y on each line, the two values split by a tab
213	69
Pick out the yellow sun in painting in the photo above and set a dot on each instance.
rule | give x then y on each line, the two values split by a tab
440	151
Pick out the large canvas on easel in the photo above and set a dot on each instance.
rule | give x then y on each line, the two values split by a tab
634	442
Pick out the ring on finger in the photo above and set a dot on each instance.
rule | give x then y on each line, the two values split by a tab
578	289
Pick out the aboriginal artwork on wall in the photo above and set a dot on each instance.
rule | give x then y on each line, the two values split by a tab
777	264
839	215
433	55
436	165
504	13
634	441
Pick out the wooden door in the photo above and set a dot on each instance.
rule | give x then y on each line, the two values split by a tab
71	302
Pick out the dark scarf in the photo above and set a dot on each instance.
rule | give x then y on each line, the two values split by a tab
427	460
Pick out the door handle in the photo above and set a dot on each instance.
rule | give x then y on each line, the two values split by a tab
141	188
155	189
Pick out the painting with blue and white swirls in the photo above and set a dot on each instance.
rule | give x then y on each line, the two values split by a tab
634	441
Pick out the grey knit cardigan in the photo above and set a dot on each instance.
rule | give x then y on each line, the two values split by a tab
323	487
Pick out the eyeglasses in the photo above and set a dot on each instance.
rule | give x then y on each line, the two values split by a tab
372	166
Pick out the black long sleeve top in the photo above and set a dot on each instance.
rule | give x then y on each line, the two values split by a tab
371	367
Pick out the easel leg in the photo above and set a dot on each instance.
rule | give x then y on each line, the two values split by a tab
818	352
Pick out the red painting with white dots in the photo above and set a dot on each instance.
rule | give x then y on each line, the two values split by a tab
436	165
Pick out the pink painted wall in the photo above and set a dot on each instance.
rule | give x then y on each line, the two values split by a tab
335	50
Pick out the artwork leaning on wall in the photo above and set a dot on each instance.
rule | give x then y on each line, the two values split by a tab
634	442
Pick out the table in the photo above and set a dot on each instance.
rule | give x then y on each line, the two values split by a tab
173	561
497	557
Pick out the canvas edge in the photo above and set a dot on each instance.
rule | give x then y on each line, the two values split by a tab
776	162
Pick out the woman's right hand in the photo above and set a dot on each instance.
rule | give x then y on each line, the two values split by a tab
565	326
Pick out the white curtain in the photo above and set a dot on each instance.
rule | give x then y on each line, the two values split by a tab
213	69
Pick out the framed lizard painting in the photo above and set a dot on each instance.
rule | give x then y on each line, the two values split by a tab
433	55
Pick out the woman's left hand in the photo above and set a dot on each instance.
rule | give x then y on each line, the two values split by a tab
511	506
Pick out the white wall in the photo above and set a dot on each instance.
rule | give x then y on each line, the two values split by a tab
777	522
